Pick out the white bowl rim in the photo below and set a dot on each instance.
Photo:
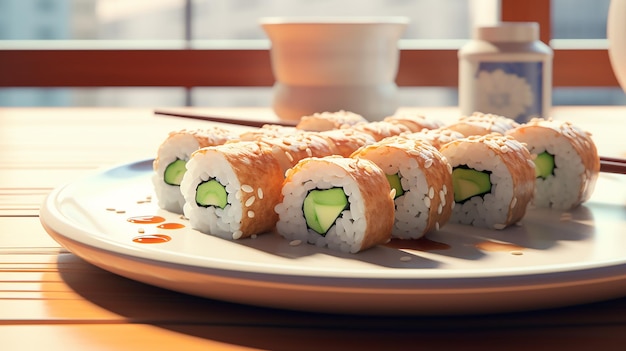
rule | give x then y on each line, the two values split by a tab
334	20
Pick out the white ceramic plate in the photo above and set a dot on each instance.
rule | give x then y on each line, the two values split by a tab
552	259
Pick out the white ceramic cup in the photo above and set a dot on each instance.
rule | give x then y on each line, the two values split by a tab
331	64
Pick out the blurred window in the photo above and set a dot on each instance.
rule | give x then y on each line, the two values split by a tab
444	23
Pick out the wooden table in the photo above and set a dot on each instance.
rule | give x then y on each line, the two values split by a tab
53	300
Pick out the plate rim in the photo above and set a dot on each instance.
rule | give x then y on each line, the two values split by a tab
62	229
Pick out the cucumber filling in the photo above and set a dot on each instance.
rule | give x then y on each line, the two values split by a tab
395	183
469	182
174	172
211	193
544	165
322	208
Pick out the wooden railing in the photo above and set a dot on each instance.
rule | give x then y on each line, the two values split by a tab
182	67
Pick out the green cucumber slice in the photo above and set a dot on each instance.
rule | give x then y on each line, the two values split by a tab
174	172
469	182
394	182
211	193
322	207
544	165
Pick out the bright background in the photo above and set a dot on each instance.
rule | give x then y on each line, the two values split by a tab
235	22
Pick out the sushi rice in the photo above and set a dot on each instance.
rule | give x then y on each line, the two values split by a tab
367	220
179	145
576	161
511	174
251	198
426	198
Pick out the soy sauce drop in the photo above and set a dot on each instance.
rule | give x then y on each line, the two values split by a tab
171	225
146	219
152	239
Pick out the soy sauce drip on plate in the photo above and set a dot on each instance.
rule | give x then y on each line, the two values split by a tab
152	239
171	225
146	219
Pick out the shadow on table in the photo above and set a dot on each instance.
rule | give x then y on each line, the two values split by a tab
265	328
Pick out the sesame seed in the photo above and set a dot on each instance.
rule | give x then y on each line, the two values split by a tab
437	226
237	234
431	192
427	202
499	226
259	193
250	214
247	188
295	242
392	193
120	211
250	201
110	209
428	163
141	231
289	156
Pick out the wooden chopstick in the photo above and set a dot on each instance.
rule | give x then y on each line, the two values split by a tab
607	164
223	119
612	165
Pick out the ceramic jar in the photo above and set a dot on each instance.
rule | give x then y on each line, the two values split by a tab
506	70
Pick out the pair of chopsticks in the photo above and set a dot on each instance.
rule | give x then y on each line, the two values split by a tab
607	164
229	120
612	165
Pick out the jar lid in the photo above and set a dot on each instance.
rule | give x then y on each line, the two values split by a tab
508	32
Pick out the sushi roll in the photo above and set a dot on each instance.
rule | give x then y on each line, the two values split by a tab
493	179
319	122
567	164
346	141
290	149
170	163
415	122
268	130
381	129
479	123
421	180
436	137
341	203
230	190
